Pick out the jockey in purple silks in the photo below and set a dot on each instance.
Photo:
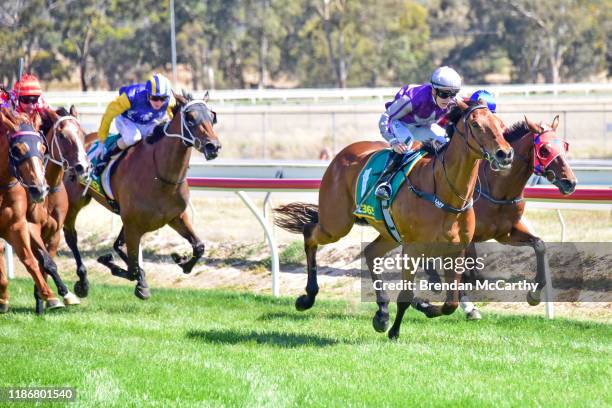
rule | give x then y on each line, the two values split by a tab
412	115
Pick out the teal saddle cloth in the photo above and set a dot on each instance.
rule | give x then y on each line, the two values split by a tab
368	206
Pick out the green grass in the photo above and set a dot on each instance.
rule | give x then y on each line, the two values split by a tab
213	348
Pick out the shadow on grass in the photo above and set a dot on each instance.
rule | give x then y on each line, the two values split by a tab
300	316
284	340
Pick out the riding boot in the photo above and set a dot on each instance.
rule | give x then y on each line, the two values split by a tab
384	190
110	151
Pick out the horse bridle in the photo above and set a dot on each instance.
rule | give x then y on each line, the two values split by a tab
539	169
32	139
62	162
485	155
191	141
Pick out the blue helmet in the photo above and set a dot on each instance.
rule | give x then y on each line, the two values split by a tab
487	97
158	85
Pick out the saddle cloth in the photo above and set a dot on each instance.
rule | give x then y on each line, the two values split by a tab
368	206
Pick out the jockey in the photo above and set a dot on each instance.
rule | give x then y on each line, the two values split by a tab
26	97
137	110
412	115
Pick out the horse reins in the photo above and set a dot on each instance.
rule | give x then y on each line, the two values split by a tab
189	142
433	198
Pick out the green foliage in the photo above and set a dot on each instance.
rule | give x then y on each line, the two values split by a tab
307	43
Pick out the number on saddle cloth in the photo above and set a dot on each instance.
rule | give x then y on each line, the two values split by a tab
367	204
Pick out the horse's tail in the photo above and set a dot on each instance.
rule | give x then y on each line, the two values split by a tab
293	217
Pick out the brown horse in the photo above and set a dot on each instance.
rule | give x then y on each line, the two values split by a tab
500	207
150	187
65	154
448	179
21	174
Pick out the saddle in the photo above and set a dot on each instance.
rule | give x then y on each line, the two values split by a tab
101	185
368	206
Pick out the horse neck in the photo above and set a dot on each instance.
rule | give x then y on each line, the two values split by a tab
507	185
171	158
5	175
54	173
461	165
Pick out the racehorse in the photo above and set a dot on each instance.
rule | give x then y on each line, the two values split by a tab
448	179
538	150
21	174
149	185
65	154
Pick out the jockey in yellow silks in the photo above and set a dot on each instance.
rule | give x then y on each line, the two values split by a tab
136	111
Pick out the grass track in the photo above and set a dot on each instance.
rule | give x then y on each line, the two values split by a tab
213	348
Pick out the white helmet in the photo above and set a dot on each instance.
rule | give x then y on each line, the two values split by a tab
446	78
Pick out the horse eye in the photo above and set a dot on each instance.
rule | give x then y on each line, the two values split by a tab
544	152
475	125
16	151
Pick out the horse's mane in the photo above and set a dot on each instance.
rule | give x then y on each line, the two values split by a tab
516	131
181	100
157	134
455	113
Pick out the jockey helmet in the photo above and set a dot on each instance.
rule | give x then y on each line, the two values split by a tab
28	85
158	85
485	96
445	78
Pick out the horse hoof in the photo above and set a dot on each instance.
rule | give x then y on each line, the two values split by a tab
142	292
178	259
380	322
81	289
53	304
304	302
105	259
4	308
474	314
71	299
393	334
533	298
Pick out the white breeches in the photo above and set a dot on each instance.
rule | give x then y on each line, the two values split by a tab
131	132
407	133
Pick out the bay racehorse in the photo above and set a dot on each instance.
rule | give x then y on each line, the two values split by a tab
65	155
538	150
150	188
449	178
21	174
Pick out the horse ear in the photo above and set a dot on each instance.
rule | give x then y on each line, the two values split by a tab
555	123
73	111
532	126
206	97
462	105
179	98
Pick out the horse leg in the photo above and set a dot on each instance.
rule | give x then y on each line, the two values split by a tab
70	298
45	262
404	300
81	288
377	249
182	225
116	270
132	240
4	294
20	241
469	308
118	244
520	236
330	228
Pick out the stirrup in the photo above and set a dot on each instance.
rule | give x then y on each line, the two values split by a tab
383	191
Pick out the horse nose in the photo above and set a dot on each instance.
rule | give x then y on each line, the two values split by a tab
211	149
79	168
38	193
505	158
567	186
